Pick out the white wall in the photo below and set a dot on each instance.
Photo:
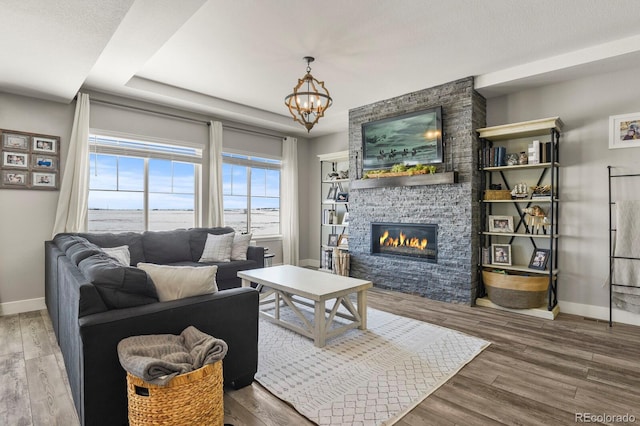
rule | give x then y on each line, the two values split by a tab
585	106
27	216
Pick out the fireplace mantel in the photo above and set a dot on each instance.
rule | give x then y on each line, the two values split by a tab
417	180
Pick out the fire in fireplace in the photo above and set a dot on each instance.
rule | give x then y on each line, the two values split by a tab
405	239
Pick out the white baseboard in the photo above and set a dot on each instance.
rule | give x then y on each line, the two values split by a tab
599	312
10	308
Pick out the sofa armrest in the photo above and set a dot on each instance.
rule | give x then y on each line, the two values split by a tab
256	254
231	315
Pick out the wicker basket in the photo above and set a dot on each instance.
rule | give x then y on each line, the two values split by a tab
497	194
516	291
194	398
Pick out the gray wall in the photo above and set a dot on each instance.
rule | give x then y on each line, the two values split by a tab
585	106
27	216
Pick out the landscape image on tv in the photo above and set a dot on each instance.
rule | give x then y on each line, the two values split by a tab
407	139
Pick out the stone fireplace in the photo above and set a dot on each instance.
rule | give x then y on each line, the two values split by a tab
451	274
413	240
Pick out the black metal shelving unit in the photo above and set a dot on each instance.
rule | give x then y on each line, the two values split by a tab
548	174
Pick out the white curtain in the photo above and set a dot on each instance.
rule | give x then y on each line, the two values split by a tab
216	210
289	202
71	213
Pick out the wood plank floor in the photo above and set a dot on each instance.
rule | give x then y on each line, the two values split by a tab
536	372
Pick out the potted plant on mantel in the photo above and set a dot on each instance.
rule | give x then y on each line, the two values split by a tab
400	170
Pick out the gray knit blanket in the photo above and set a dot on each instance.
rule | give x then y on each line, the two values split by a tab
157	358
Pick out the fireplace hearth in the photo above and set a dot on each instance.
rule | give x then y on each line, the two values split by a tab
414	240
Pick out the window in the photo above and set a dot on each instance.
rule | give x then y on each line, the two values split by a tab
138	186
251	194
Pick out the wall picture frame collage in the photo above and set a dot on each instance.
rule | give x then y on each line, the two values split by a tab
29	160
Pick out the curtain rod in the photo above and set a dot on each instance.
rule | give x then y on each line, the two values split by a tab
180	117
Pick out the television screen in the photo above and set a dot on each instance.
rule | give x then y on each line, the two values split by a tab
406	139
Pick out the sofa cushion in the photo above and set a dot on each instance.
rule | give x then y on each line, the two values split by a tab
198	238
119	286
64	241
177	282
131	239
81	250
121	254
240	246
217	248
164	247
226	270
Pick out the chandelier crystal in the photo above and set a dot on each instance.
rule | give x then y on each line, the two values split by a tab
309	100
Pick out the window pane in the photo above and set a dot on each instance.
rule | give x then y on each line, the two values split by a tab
171	211
239	180
103	171
130	174
160	173
111	211
226	179
258	181
273	183
184	177
235	212
265	215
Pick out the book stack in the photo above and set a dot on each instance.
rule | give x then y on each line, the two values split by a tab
534	152
327	259
493	156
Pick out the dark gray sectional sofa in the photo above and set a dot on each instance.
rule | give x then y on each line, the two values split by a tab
94	302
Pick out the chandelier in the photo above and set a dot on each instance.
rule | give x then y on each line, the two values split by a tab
309	100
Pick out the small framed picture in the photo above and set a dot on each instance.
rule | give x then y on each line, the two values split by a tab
332	240
42	144
15	159
501	254
15	141
624	131
44	180
331	195
539	259
44	162
342	197
500	223
15	178
345	218
343	241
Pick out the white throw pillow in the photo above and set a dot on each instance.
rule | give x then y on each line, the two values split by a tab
240	246
177	282
217	248
121	254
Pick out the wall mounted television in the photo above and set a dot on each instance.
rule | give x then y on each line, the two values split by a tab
408	139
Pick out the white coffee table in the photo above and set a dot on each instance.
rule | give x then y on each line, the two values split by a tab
285	282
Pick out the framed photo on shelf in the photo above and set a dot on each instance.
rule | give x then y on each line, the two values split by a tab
332	241
539	259
501	254
343	240
15	159
44	180
500	223
331	195
15	178
342	197
624	131
15	141
345	218
42	144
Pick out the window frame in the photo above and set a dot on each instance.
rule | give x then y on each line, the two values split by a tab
251	160
146	154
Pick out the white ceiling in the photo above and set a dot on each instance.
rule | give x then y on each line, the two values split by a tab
238	59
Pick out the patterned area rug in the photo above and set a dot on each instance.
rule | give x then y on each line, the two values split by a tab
364	377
